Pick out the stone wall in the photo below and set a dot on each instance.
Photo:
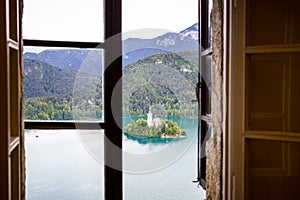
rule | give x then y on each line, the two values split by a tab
214	144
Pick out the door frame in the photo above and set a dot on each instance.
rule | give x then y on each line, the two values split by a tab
233	159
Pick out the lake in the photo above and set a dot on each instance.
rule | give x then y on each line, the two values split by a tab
67	164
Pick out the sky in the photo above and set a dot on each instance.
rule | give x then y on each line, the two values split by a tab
82	20
164	15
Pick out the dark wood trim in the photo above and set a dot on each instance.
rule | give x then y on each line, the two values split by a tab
204	24
31	124
4	104
66	44
204	120
113	175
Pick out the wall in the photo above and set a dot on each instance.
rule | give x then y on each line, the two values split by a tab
214	145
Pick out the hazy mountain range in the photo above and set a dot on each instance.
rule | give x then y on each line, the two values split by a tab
134	49
61	82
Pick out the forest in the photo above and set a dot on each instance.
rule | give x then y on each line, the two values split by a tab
163	81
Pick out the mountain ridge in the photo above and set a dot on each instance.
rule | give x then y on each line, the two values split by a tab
134	49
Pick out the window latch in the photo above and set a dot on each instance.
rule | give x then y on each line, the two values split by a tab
197	90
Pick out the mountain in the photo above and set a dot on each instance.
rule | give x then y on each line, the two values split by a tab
42	79
63	84
70	59
172	42
163	81
53	93
134	49
190	32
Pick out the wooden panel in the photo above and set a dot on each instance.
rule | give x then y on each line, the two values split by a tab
266	124
266	92
9	101
295	18
288	48
14	92
265	25
266	155
273	169
272	135
13	20
15	174
4	102
295	94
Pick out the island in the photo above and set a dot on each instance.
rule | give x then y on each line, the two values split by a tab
154	128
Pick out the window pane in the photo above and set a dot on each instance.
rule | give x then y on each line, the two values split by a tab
160	71
64	20
63	84
162	168
60	164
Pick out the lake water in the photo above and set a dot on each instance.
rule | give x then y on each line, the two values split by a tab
67	164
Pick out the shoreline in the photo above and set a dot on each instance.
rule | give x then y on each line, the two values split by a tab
162	137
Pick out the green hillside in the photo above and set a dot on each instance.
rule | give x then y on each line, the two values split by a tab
163	81
53	93
42	80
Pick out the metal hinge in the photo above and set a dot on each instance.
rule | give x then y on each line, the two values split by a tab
197	89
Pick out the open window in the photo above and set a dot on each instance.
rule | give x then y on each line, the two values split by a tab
85	99
204	89
63	103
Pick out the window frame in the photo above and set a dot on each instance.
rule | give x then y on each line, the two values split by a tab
204	118
112	75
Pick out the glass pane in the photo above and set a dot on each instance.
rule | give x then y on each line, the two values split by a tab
64	20
62	164
63	84
206	78
272	170
162	168
160	71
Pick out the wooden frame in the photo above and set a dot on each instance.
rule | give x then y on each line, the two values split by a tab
112	75
204	118
238	111
10	102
